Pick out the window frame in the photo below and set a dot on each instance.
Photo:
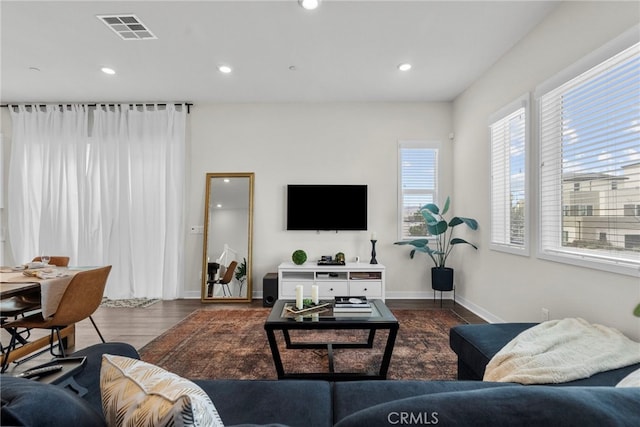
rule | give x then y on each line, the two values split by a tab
558	253
522	102
415	144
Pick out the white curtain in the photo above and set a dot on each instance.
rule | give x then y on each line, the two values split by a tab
113	195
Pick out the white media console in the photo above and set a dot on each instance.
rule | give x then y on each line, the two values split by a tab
355	279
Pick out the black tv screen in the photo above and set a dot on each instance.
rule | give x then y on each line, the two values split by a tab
326	207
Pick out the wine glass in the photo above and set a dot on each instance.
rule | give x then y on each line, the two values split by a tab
45	259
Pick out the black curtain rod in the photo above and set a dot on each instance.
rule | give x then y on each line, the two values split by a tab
102	103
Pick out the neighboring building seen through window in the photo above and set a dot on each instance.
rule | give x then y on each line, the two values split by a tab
590	166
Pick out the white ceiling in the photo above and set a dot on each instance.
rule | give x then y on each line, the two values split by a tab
343	51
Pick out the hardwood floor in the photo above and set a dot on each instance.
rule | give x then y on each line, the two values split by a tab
138	326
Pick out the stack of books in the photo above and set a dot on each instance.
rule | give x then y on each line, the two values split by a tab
351	305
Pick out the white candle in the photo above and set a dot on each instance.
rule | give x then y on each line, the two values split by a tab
299	292
373	236
314	294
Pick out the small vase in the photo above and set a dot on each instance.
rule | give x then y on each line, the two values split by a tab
442	278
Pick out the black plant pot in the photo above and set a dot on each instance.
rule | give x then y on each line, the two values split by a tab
442	278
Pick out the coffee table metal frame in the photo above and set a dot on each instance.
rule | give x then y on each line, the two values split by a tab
381	319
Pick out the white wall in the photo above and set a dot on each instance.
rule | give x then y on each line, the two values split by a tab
510	287
313	143
309	143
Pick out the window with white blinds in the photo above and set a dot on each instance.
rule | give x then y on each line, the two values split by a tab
589	130
417	185
509	178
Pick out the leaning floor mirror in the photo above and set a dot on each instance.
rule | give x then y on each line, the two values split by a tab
228	227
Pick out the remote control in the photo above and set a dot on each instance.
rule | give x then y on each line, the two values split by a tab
39	372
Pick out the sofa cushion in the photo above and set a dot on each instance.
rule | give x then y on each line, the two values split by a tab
138	393
475	345
350	397
289	402
508	406
31	403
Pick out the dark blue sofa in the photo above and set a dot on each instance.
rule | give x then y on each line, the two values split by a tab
320	403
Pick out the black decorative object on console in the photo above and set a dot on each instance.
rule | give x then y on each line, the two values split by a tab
373	252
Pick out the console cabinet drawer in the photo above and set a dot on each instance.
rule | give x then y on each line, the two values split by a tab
368	288
288	289
330	289
326	289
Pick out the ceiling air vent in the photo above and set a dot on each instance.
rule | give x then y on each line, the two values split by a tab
128	27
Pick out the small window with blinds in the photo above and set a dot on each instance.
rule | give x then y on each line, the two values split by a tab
509	137
590	166
417	185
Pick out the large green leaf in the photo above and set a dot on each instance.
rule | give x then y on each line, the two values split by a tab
446	206
457	220
433	208
457	241
428	217
437	228
416	242
636	312
472	223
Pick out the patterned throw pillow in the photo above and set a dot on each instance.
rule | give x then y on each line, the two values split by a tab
136	393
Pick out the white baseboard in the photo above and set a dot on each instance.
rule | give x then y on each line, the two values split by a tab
418	295
196	295
479	311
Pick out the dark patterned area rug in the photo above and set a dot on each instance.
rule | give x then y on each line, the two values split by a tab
232	344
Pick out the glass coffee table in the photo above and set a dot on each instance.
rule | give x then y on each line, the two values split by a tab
380	318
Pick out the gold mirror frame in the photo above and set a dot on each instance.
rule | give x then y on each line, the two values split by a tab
225	244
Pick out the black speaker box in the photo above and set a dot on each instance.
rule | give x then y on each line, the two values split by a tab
269	289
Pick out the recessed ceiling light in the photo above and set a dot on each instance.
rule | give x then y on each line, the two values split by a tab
108	70
309	4
224	69
404	66
218	205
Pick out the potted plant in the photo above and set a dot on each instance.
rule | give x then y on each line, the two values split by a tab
442	240
241	273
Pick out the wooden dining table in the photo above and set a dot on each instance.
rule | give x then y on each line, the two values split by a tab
51	286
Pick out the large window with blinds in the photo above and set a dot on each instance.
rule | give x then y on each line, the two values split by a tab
417	185
509	178
589	129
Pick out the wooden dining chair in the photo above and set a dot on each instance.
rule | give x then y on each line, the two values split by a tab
228	276
79	301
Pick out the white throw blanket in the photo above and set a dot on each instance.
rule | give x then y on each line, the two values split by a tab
559	351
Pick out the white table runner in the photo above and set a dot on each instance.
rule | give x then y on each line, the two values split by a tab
51	289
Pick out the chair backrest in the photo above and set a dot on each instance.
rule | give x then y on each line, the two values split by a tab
82	296
58	261
228	275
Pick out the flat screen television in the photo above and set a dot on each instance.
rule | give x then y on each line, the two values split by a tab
326	207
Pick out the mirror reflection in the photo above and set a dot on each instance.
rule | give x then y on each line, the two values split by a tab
227	237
